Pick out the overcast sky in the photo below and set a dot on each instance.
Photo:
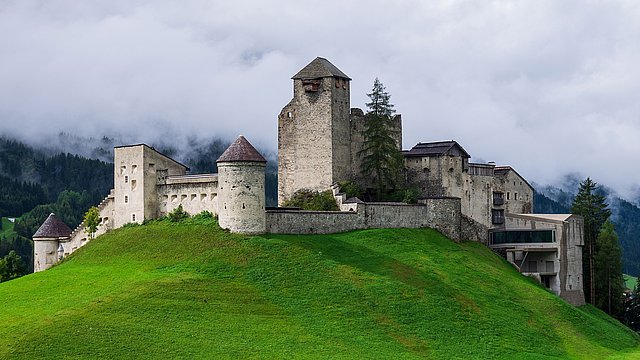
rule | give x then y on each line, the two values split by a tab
549	87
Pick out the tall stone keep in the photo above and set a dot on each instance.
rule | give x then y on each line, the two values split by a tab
314	149
241	191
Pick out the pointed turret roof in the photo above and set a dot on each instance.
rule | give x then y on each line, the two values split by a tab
241	150
319	68
53	227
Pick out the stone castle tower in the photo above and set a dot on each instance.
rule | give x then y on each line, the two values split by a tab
319	135
241	191
314	131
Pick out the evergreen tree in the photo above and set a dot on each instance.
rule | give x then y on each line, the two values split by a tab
12	266
591	205
608	271
381	158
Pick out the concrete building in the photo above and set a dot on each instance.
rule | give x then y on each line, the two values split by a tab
547	247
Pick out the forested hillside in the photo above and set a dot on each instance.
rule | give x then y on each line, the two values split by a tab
624	215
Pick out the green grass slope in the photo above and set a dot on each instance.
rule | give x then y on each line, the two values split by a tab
190	290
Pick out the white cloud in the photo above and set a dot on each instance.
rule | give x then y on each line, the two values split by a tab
549	87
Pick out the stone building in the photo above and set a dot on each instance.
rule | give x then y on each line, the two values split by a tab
320	139
149	185
319	135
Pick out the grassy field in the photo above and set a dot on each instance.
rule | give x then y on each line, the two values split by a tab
7	228
190	290
630	281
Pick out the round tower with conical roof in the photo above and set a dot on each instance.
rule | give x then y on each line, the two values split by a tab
241	191
47	241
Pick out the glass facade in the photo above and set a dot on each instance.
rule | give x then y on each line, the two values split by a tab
522	237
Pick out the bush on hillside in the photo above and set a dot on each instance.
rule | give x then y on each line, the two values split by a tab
178	214
313	200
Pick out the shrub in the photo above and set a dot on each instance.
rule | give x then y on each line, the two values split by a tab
351	189
178	214
313	200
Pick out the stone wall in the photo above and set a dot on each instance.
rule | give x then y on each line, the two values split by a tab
442	214
196	193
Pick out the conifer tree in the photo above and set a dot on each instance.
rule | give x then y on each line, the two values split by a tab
592	206
608	271
381	158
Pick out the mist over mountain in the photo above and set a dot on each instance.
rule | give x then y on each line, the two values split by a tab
625	215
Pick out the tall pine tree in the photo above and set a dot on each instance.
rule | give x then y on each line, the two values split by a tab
592	206
609	282
381	158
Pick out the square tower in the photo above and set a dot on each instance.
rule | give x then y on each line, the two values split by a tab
137	172
314	139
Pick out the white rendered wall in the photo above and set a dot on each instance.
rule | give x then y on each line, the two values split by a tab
241	197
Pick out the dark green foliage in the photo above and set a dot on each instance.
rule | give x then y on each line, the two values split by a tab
18	197
30	177
608	271
178	214
544	205
381	159
312	200
592	206
351	189
12	266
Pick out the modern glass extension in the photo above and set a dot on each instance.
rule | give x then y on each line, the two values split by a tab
522	237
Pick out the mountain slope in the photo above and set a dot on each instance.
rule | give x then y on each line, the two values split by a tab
191	290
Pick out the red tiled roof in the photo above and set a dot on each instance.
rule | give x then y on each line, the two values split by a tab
241	150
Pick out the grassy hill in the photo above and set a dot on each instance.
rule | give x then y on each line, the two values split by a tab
190	290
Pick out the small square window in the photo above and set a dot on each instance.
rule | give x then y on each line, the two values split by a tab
126	199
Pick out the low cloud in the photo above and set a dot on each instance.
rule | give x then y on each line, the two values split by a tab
548	87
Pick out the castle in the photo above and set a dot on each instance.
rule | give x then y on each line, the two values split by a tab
319	141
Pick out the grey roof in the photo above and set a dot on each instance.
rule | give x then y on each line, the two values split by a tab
241	150
53	227
320	68
436	148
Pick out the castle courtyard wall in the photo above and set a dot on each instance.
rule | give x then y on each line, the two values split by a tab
442	214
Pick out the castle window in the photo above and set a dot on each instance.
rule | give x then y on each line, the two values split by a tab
126	199
243	206
507	195
152	167
133	184
289	114
193	197
174	198
123	168
134	168
183	198
203	197
515	196
126	179
133	217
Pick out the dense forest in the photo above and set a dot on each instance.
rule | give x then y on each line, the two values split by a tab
624	215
